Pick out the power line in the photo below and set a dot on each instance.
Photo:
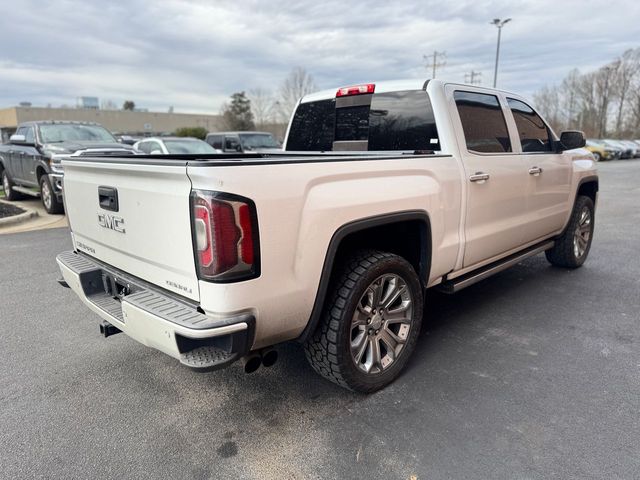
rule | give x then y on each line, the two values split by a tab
433	61
473	78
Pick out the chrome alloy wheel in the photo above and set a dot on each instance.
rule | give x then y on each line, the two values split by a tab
381	323
46	195
5	184
582	233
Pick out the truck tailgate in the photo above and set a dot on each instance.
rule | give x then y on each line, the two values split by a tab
147	233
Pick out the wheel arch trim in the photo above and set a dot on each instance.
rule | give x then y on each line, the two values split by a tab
357	226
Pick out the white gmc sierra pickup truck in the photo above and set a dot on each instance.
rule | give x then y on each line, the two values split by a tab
383	190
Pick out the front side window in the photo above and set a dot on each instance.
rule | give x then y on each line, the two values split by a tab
29	136
485	129
533	132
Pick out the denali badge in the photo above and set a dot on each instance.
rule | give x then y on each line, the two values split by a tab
111	222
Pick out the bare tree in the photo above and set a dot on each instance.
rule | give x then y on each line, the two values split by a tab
627	69
262	105
547	102
603	102
295	86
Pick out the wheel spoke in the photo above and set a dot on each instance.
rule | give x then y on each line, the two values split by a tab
582	242
359	346
390	299
374	355
360	316
377	292
586	228
391	340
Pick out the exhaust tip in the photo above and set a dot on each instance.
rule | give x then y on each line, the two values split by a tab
269	357
251	363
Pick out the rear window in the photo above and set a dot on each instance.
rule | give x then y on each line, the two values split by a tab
402	121
312	127
393	121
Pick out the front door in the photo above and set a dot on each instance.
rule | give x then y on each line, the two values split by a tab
549	184
496	176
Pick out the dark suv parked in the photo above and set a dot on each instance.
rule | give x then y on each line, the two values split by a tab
29	163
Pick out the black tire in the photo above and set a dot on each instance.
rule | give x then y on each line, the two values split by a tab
569	251
329	348
49	200
7	186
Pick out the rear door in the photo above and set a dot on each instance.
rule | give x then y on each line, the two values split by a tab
496	176
29	157
135	217
549	183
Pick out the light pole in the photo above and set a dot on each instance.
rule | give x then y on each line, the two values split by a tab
498	23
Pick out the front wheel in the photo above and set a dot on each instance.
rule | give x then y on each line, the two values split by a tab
572	247
49	199
370	323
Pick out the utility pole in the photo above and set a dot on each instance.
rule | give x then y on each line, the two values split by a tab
433	62
498	23
470	78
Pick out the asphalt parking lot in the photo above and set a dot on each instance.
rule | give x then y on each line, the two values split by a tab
534	373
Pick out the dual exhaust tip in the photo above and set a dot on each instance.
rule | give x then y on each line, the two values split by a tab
266	357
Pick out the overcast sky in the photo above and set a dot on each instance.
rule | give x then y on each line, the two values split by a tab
193	54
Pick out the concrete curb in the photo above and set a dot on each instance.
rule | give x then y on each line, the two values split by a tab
15	219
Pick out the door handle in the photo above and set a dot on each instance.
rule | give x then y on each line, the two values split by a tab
479	177
535	171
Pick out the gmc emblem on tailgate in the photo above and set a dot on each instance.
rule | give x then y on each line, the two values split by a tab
112	222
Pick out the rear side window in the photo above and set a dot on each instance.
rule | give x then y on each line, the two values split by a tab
145	147
402	121
215	141
312	127
485	129
393	121
533	132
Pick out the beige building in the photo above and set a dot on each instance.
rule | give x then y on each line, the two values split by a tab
117	121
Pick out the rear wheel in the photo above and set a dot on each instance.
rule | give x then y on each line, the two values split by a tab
572	248
597	156
7	186
370	322
49	199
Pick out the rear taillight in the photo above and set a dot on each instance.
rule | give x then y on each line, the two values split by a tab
356	90
225	236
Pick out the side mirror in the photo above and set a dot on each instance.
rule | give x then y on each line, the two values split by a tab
572	139
15	138
239	148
